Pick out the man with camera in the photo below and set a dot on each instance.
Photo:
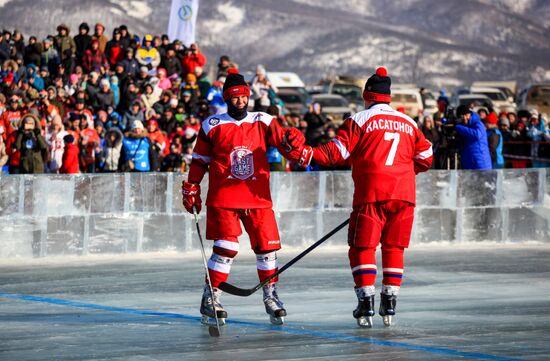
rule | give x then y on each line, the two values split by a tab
472	140
31	144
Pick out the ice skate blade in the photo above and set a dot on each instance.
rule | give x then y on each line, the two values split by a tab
387	320
276	320
365	321
211	321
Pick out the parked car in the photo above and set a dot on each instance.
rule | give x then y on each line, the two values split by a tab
475	101
334	106
509	88
500	100
536	96
352	92
294	100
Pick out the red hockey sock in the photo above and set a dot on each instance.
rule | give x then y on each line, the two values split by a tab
219	264
266	263
392	263
363	266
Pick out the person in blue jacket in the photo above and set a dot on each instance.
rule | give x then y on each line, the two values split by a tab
494	139
135	148
474	149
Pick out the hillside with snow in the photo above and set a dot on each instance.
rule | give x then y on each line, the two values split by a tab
428	42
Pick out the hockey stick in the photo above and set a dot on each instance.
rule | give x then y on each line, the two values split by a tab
213	331
244	292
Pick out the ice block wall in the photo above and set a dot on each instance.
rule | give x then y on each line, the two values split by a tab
44	215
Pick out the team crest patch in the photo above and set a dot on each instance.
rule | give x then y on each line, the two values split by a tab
214	121
242	163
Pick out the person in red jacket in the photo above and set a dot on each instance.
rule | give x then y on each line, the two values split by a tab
232	148
386	150
70	164
192	58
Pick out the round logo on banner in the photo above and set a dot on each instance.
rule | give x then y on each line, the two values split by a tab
185	12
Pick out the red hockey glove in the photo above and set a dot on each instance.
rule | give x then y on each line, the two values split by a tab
296	150
293	139
191	196
306	154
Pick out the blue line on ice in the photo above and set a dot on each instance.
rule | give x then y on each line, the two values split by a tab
284	329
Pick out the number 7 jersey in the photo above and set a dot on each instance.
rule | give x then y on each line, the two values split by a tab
386	150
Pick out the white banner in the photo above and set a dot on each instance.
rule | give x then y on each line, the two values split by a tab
183	16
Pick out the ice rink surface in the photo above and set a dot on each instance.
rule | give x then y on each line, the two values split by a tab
457	302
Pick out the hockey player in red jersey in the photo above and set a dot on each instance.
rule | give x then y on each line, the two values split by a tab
386	149
232	148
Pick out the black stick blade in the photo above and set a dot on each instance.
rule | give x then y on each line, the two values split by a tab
233	290
214	331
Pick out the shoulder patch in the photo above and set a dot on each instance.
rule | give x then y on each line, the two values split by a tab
214	121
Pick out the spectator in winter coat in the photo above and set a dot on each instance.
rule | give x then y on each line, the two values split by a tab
474	150
163	83
173	161
33	52
158	144
262	90
114	50
125	37
495	141
171	63
4	48
11	117
149	98
49	56
70	164
135	148
157	137
131	66
133	114
433	135
94	58
56	146
537	132
100	36
223	66
518	126
148	56
31	144
64	44
34	78
112	149
317	123
192	58
202	81
129	96
105	97
82	42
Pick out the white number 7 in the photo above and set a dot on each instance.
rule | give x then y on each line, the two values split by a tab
395	137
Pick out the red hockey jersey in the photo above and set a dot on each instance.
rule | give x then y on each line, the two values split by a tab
234	152
386	150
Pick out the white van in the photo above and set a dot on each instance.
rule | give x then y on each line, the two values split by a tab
409	98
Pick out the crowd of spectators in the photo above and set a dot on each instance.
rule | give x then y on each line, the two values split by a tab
91	103
513	140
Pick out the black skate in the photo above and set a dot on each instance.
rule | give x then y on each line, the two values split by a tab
387	308
208	303
273	305
365	309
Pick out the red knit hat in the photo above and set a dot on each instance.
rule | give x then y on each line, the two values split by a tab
377	88
492	118
235	85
